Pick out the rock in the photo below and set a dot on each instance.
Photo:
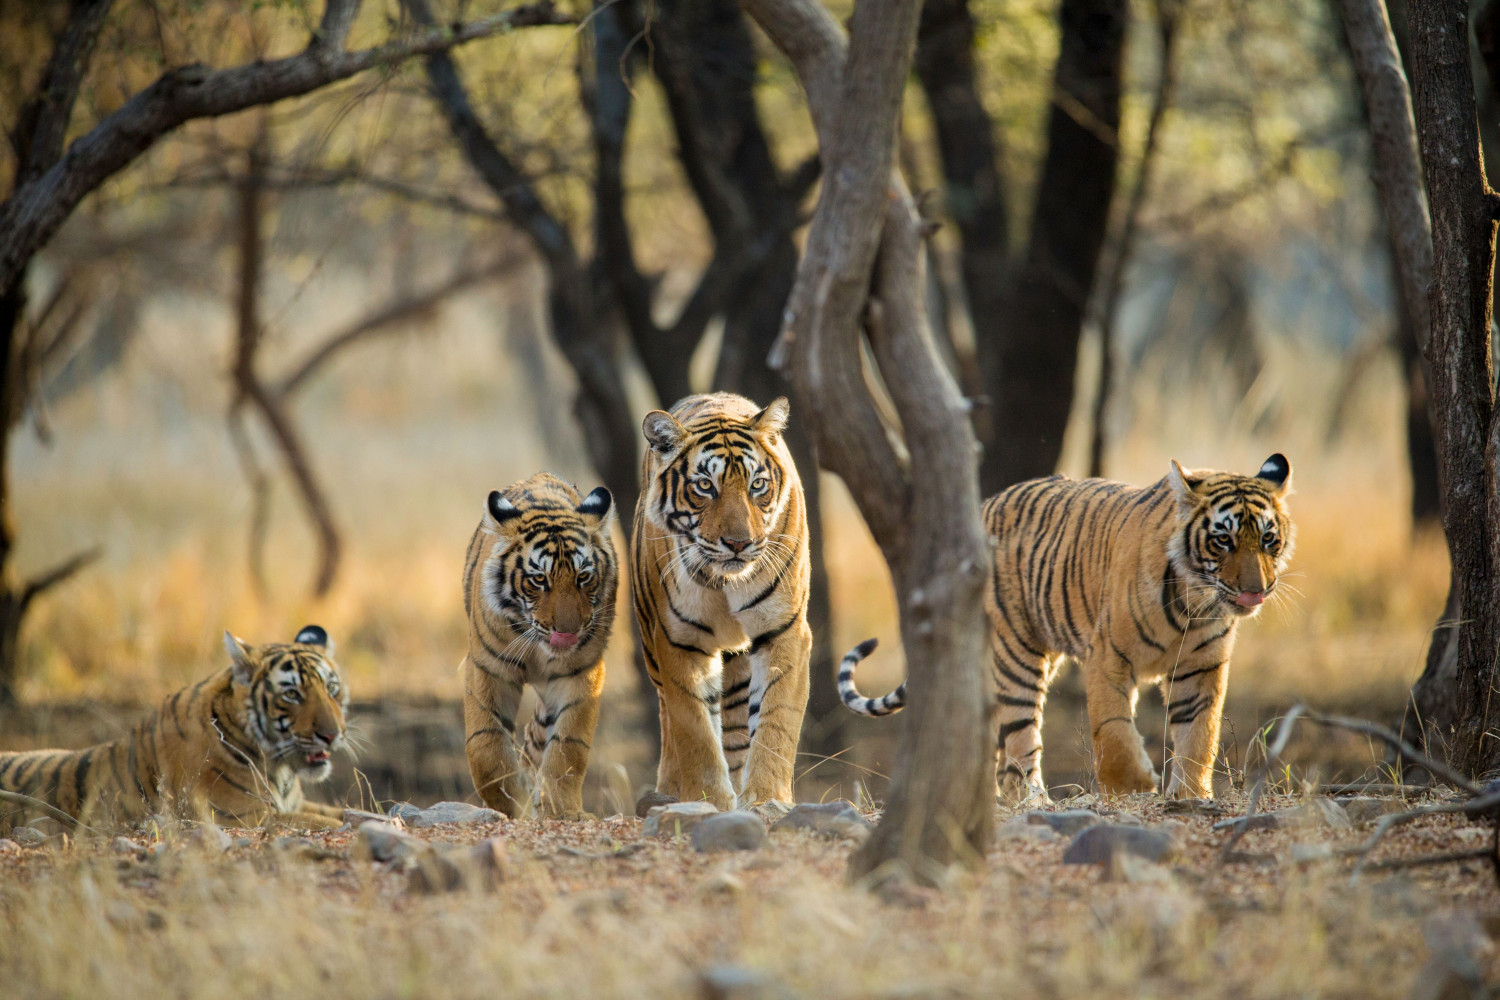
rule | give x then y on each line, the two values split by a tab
1192	807
1096	844
27	836
244	842
1066	822
48	826
833	819
771	810
738	982
1019	828
650	800
382	842
305	849
210	838
731	831
123	845
354	817
9	847
1317	812
1369	808
403	811
482	866
676	819
451	812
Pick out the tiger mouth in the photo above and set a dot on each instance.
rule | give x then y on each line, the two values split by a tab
317	758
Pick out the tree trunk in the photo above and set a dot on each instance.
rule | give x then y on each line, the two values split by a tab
1463	212
922	503
1028	348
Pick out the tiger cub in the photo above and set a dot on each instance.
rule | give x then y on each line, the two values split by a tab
539	591
234	748
719	573
1141	585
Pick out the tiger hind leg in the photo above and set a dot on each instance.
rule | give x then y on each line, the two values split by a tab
1021	682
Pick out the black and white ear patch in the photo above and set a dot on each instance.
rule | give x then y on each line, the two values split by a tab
596	504
312	635
501	509
1275	470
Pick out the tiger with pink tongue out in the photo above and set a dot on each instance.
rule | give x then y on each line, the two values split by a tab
539	591
1140	585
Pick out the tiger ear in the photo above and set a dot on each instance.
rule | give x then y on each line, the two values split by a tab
500	509
314	635
772	420
663	432
241	658
1184	486
595	507
1277	471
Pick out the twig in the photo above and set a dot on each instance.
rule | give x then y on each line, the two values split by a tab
1424	860
21	798
44	582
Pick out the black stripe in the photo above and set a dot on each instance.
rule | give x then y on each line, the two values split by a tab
1011	728
765	638
1178	678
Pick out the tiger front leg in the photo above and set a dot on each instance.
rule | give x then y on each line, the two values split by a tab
491	697
1195	707
1120	759
692	765
778	701
566	718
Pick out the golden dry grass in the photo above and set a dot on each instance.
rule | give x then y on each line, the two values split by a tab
261	922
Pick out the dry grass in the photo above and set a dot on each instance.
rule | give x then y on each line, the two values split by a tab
89	922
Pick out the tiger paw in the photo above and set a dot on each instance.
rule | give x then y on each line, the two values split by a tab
570	816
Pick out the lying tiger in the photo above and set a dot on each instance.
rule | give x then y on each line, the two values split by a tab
233	749
1142	585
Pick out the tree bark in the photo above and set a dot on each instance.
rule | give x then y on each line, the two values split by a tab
1463	213
940	809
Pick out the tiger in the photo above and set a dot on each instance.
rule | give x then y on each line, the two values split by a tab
540	580
1141	585
233	749
720	578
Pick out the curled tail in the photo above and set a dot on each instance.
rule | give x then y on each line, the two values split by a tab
858	703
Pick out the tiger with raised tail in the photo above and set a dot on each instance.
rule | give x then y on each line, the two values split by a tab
1141	585
234	749
539	591
719	573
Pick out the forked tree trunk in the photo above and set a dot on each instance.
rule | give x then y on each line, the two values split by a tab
921	501
1463	214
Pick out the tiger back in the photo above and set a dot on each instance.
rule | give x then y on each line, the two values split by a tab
1141	585
719	575
540	580
234	748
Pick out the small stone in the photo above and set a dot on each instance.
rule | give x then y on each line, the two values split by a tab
731	831
209	838
452	812
1019	828
650	800
244	842
737	982
1066	822
48	826
1192	807
1369	808
9	847
1306	854
482	866
722	884
28	836
1131	869
1096	844
676	819
833	819
771	810
1317	812
403	811
123	845
382	842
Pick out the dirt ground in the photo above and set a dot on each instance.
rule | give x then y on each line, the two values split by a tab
596	909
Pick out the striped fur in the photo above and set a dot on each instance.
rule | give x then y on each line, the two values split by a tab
1141	586
233	748
719	574
539	591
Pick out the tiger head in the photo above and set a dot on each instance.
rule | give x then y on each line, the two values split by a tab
718	480
551	571
294	697
1236	535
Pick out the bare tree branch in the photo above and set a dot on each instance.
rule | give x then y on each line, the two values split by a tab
39	206
46	580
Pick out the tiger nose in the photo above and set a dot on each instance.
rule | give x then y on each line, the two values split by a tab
736	545
327	736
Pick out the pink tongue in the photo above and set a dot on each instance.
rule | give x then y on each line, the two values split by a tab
562	640
1249	599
